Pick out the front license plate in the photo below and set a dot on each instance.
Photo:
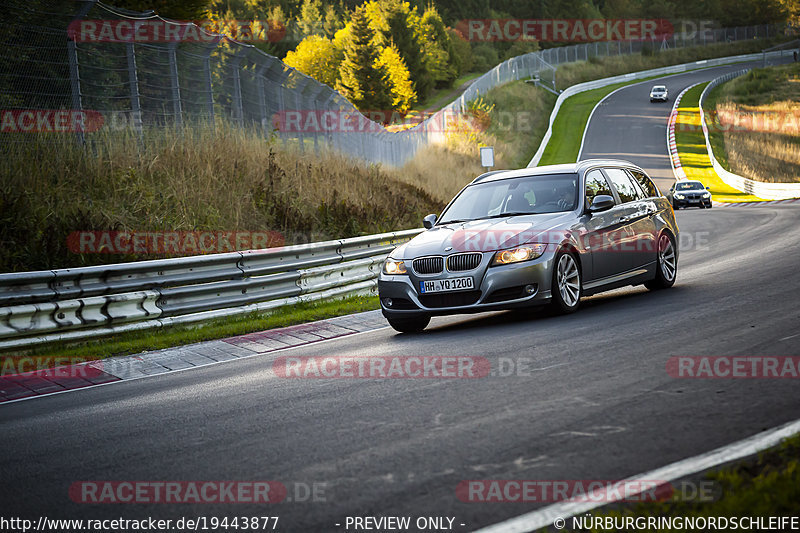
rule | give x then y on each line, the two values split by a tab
444	285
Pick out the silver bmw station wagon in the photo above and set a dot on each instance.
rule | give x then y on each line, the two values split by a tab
534	236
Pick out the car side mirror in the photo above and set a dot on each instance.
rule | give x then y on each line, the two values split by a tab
601	202
429	221
708	188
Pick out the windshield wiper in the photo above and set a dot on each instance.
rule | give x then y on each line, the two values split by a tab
443	222
509	214
499	215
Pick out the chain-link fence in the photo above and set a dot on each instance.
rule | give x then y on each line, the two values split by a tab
83	67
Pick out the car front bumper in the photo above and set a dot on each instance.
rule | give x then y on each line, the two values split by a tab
686	202
496	288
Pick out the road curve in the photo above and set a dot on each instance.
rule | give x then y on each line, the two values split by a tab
627	126
595	401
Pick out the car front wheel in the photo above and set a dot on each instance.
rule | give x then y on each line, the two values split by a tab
411	324
566	287
667	264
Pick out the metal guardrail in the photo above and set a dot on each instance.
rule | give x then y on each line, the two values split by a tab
52	305
768	191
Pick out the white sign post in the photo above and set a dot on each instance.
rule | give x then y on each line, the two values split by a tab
487	157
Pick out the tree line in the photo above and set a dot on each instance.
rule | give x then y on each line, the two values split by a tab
391	54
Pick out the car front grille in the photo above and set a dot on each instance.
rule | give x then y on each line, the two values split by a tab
462	262
428	265
451	299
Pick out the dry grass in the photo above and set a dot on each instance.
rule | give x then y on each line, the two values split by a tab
767	157
440	172
512	118
231	180
758	119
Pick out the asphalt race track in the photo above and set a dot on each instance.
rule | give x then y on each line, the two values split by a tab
626	125
588	397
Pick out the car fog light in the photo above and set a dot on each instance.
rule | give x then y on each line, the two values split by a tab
530	289
387	302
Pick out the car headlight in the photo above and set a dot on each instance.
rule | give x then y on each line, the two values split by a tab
679	196
391	267
516	255
706	194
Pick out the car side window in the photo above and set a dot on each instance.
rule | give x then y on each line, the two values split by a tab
622	183
646	183
640	194
596	184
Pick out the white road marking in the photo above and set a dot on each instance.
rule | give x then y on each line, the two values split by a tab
545	516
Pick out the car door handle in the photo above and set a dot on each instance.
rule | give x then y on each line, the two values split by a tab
625	219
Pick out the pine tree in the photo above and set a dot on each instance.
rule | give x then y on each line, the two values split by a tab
363	80
310	20
401	26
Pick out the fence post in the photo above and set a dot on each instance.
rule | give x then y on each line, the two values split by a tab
175	86
237	112
262	99
301	84
75	83
74	74
133	84
208	82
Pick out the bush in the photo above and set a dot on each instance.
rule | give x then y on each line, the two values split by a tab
484	57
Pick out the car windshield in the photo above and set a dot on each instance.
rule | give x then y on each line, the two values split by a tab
550	193
689	186
659	89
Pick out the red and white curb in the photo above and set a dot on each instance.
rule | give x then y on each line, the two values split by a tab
756	204
37	383
680	173
672	146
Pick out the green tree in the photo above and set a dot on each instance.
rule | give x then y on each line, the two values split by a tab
398	23
484	57
401	89
310	21
437	42
317	57
460	52
363	80
332	21
521	47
